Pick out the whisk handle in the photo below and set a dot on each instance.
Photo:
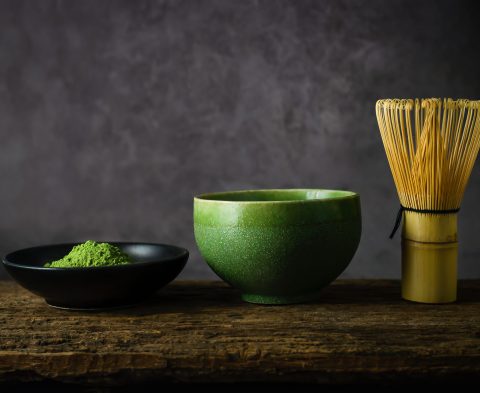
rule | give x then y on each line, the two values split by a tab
429	257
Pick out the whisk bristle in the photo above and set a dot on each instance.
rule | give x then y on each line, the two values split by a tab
431	146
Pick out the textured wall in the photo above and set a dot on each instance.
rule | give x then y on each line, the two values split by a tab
113	114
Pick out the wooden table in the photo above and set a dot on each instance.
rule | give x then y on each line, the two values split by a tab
202	332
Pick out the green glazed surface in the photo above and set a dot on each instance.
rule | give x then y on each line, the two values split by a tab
278	246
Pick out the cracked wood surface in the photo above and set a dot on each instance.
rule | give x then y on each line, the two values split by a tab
202	332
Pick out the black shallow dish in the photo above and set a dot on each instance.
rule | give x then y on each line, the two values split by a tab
153	267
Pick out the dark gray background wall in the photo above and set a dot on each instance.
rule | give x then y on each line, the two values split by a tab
113	114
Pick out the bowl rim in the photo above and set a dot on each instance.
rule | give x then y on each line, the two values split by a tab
183	252
204	197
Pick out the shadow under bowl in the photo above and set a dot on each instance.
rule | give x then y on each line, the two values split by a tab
153	267
278	246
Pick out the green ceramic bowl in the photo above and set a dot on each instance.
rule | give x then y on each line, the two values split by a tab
278	246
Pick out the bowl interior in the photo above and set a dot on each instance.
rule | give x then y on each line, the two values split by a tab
278	195
36	257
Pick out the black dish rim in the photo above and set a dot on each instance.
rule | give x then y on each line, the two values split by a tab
183	252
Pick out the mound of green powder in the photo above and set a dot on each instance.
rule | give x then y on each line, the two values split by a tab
92	254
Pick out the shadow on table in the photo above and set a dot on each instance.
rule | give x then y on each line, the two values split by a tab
195	297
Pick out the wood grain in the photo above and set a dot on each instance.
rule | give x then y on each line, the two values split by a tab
202	332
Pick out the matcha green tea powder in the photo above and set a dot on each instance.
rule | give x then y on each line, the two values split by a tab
92	254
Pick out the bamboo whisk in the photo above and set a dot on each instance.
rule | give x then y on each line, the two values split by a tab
431	146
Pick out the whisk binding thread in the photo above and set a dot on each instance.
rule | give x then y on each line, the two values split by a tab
398	220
